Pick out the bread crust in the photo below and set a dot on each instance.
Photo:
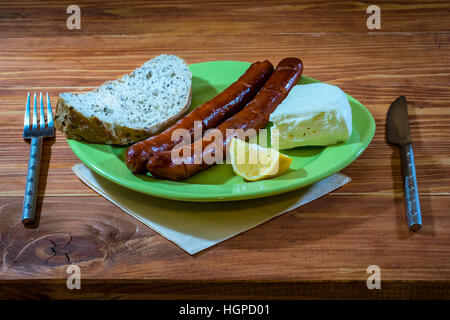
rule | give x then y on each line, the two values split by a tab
76	126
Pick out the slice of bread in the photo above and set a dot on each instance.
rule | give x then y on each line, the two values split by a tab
129	109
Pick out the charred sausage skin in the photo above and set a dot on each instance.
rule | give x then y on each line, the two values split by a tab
211	114
255	115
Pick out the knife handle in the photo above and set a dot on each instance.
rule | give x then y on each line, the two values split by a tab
413	214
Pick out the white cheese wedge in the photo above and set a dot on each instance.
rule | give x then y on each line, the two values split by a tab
316	114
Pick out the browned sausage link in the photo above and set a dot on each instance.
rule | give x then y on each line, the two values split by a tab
255	115
211	113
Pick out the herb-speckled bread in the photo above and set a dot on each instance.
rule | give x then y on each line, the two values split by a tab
129	109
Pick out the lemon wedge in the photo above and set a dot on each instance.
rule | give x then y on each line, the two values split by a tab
253	162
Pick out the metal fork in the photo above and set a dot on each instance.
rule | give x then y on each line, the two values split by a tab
37	135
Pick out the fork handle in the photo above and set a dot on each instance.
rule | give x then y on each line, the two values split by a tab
31	186
413	214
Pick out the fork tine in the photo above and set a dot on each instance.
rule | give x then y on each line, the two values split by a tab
34	127
26	120
41	113
49	114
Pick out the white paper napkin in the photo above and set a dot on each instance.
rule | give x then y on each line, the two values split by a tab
195	226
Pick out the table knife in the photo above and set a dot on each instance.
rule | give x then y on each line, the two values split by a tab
397	132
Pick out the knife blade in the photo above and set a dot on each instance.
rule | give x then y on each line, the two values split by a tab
397	132
397	123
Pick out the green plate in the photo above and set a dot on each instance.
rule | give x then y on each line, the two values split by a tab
219	183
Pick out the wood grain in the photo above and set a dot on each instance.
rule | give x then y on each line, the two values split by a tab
375	81
225	289
309	255
325	240
319	250
44	18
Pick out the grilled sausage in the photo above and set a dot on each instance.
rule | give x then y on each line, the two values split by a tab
255	115
211	114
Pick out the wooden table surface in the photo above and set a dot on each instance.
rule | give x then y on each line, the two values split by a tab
320	250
